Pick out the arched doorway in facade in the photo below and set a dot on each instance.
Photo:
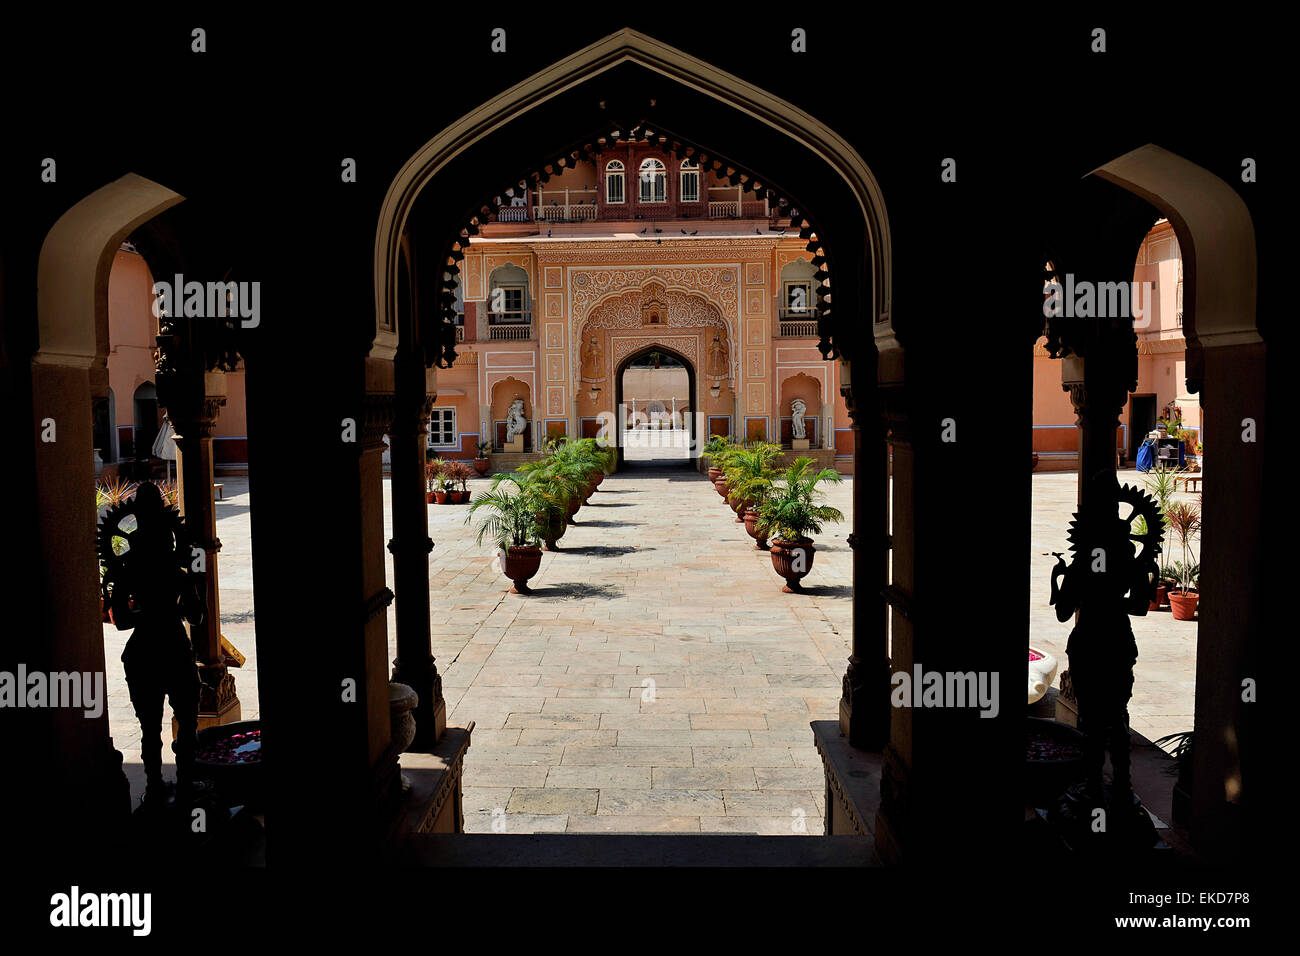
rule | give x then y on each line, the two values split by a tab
656	398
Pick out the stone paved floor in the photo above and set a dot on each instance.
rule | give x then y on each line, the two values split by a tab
656	583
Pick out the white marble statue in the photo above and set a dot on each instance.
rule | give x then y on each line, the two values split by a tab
516	423
797	409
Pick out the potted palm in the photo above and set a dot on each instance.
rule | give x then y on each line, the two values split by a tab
714	445
791	513
509	518
1185	520
554	487
720	458
482	462
458	474
749	476
433	481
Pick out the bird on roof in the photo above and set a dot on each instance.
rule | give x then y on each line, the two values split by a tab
695	233
645	230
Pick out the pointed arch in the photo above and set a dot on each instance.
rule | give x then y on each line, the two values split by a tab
621	47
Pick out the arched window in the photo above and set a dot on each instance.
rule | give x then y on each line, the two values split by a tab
654	181
690	181
614	182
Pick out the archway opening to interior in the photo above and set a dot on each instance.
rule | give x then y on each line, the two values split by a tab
656	404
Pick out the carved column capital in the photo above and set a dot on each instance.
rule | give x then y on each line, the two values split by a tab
376	419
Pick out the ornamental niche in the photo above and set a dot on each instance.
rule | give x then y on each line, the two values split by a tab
692	296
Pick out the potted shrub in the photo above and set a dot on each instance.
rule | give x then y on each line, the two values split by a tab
720	459
458	474
509	518
714	445
749	477
750	480
790	514
433	480
554	487
1185	520
482	462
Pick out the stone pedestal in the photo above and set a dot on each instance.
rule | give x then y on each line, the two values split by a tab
515	446
799	444
194	402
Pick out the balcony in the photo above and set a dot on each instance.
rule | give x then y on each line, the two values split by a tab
737	209
510	326
565	212
798	324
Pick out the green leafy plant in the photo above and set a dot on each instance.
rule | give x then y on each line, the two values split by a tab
114	492
749	473
433	473
483	448
458	473
1180	748
1185	521
507	513
791	512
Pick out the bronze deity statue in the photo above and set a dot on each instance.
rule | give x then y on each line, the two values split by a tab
151	587
1112	574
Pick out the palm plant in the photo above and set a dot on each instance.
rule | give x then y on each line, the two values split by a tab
457	472
715	444
113	493
1185	520
722	452
510	516
791	512
749	473
433	474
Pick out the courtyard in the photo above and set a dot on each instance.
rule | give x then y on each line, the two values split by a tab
657	679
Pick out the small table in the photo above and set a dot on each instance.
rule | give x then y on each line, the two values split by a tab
1188	481
217	487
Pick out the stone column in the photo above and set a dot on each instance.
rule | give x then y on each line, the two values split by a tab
827	429
194	418
864	705
410	547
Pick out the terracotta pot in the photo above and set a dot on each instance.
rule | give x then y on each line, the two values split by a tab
1035	464
458	497
574	505
428	496
786	561
440	497
714	474
720	486
521	564
751	528
1161	598
1183	604
739	507
556	532
481	465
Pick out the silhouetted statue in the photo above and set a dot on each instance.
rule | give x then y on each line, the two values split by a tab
1107	579
151	587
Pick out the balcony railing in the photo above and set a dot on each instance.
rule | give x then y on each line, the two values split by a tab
510	326
798	324
512	214
565	212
